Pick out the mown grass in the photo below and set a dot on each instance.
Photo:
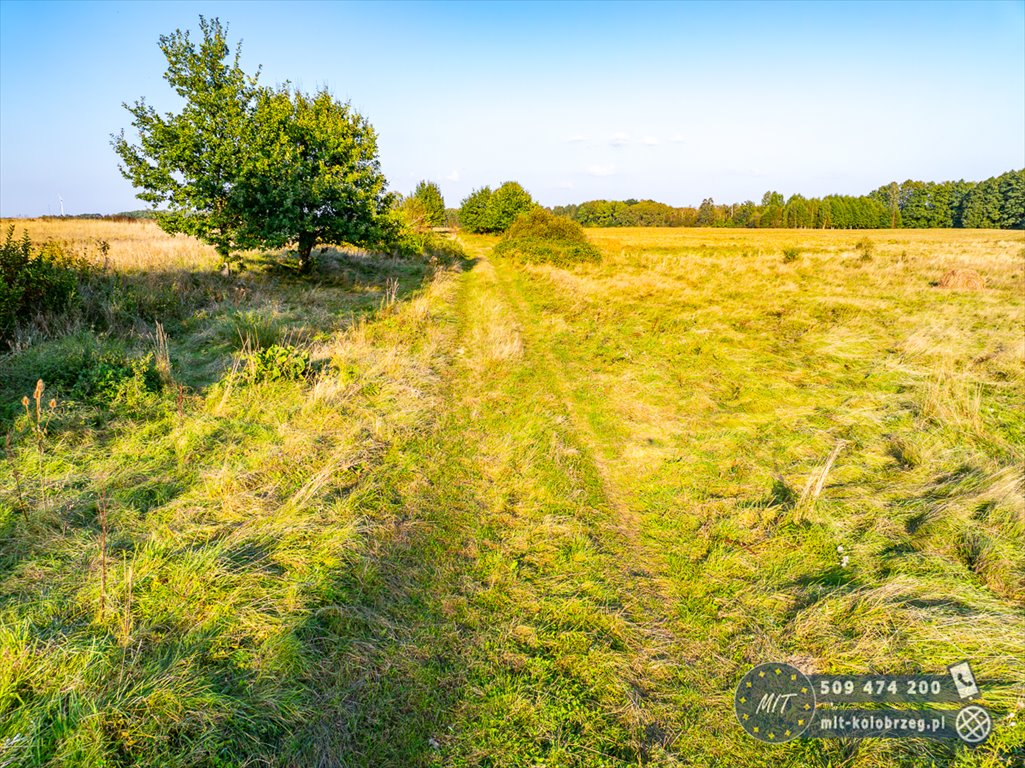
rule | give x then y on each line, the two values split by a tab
512	515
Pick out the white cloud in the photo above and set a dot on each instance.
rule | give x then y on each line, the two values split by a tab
650	141
678	138
619	139
576	138
601	170
453	176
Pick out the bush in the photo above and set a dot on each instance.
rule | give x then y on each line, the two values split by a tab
540	236
791	254
427	245
79	368
277	363
115	377
34	282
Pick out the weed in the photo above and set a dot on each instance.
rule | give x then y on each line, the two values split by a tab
38	419
816	482
127	623
866	248
34	281
276	363
791	254
162	362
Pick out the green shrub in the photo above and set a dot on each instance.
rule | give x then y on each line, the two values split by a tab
487	211
425	244
34	281
791	254
276	363
538	235
117	378
545	225
866	248
79	368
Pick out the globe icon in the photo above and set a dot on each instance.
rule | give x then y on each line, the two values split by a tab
973	724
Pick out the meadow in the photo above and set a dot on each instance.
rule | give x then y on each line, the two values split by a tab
473	512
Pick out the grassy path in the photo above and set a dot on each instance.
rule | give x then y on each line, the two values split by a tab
577	651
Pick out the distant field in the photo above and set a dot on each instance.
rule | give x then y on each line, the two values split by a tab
509	515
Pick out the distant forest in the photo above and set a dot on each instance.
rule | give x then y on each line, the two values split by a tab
996	203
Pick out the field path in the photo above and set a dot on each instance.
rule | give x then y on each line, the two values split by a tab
574	620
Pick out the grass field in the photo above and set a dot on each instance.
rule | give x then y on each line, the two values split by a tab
512	515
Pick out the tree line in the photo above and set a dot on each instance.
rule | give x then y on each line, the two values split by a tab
996	203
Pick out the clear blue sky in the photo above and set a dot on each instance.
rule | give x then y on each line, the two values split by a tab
577	101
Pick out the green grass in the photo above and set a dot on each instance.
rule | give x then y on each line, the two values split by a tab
517	515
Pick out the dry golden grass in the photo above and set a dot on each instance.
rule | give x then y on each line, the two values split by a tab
963	279
134	245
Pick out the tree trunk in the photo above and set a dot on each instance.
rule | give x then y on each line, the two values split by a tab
225	255
306	242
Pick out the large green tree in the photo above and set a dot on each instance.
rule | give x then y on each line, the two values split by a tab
487	211
189	162
507	202
243	166
316	177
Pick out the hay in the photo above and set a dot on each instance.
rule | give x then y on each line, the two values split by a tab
963	279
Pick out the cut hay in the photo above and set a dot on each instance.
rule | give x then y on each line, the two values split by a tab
963	280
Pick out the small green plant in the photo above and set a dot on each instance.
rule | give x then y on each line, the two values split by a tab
791	254
276	363
113	377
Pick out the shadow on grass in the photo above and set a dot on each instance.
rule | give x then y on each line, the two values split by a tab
381	654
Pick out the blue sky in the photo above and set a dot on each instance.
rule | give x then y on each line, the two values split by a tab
577	101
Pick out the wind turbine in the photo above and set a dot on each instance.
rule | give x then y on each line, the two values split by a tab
61	201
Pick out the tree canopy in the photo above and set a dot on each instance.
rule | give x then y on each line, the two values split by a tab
189	161
316	177
486	211
244	166
428	196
